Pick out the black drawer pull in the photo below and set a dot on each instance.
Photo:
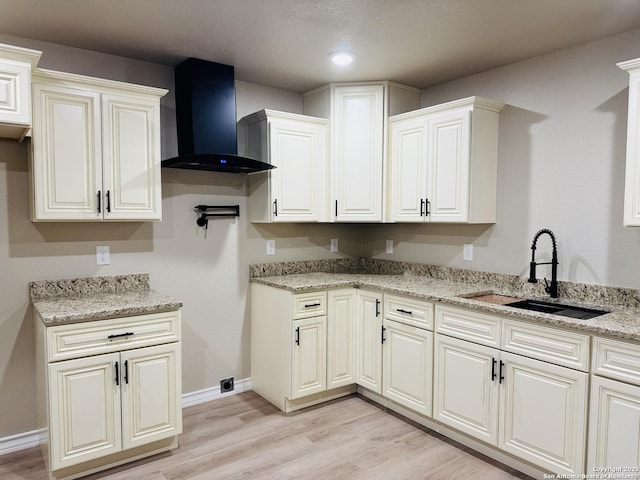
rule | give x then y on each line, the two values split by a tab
408	312
310	305
118	335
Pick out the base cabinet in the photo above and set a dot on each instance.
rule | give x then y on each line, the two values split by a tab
309	359
341	337
369	351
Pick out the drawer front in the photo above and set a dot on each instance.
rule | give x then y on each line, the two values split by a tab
409	311
307	305
548	344
616	359
468	325
113	335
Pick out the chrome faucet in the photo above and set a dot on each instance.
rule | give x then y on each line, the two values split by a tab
551	289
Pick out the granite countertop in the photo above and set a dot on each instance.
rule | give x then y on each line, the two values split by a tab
97	298
623	321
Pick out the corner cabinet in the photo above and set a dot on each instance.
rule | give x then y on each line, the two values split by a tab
297	146
358	125
110	391
95	149
16	65
443	163
631	216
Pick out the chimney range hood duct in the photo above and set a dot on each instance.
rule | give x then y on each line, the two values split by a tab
206	120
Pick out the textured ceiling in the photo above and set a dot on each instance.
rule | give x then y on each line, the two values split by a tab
285	43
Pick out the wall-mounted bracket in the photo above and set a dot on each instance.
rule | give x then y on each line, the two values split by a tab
208	211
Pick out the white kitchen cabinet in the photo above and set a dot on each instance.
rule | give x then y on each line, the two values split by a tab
341	337
112	390
614	406
309	363
631	216
16	65
407	354
358	130
369	351
96	149
295	191
443	163
530	408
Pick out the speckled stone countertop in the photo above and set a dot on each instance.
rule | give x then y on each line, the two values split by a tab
97	298
456	286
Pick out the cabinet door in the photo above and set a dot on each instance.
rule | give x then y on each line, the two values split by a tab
544	414
298	150
407	354
632	169
131	142
449	145
357	133
466	387
151	394
614	415
369	351
84	409
408	169
67	161
15	104
309	369
341	338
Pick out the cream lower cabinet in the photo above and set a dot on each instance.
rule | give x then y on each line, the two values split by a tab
614	418
530	408
369	350
96	149
341	337
100	409
309	362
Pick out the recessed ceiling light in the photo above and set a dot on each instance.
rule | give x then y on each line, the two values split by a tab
342	57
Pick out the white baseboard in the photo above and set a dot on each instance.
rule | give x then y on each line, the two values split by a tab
26	440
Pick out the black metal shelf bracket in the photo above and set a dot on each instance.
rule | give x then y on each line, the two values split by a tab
208	211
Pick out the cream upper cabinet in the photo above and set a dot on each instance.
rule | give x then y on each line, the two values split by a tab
358	126
297	145
16	65
96	149
443	163
631	216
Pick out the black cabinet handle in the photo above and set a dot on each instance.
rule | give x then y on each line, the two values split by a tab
99	201
408	312
126	372
309	305
421	207
336	208
501	373
298	336
493	369
382	334
428	204
117	375
108	201
275	207
377	307
118	335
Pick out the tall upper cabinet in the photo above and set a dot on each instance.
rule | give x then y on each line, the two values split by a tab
357	115
632	173
443	163
16	64
96	149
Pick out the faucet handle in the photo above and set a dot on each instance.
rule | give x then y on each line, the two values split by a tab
547	288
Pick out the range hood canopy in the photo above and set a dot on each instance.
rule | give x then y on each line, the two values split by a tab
206	120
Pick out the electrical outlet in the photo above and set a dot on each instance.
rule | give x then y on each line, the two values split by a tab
271	247
389	246
334	245
102	255
226	385
467	252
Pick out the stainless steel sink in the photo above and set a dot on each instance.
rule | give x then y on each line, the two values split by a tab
557	309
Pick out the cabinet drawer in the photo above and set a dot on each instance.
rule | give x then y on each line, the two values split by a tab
409	311
468	325
113	335
307	305
549	344
616	359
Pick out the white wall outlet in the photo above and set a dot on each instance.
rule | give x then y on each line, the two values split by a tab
102	255
271	247
334	245
467	252
389	246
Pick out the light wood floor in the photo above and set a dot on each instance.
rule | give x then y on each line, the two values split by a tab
244	437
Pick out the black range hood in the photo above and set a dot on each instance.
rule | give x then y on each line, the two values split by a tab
206	120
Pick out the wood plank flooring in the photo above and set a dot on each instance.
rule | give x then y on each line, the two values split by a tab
244	437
